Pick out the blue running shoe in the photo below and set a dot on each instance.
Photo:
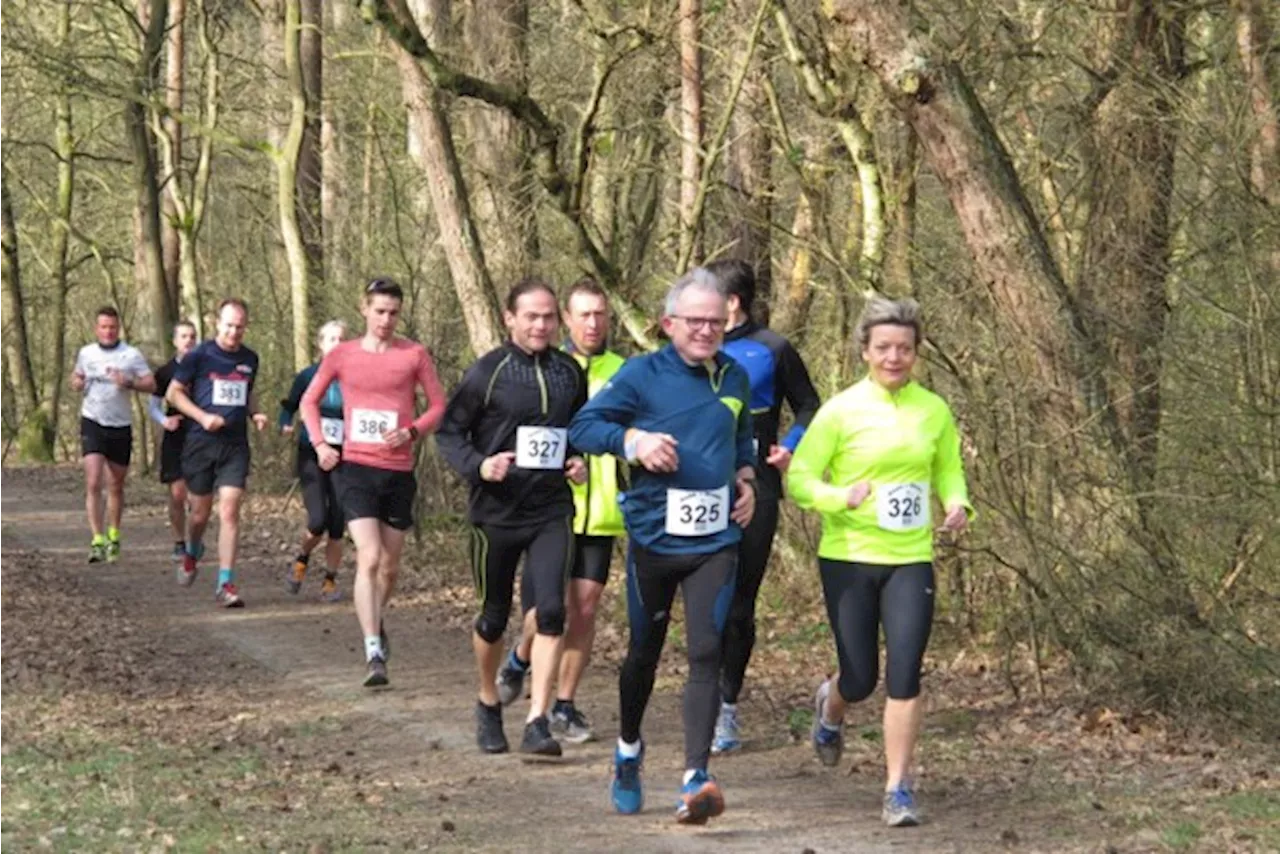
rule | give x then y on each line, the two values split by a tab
700	799
626	791
728	738
900	808
827	743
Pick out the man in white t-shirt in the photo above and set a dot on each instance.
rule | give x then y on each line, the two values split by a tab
107	371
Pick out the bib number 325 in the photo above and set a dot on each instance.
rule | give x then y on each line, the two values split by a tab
697	512
902	506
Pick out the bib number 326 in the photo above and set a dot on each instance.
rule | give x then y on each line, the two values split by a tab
541	447
902	506
368	425
697	512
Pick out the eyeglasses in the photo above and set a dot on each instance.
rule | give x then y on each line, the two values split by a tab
385	286
714	324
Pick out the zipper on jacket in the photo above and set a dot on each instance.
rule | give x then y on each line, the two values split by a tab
542	383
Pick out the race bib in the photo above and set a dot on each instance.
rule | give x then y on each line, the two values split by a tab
697	512
331	430
902	506
230	392
368	425
541	447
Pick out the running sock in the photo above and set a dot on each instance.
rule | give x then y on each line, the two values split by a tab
689	774
331	575
515	662
829	727
629	751
225	576
195	549
372	648
302	559
99	539
562	706
180	545
730	708
113	534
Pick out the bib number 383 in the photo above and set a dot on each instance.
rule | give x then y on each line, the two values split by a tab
368	425
541	447
697	512
230	392
902	506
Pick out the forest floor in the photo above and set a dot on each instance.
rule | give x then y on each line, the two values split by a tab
139	717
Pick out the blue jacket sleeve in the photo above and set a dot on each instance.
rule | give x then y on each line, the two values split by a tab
600	427
746	456
289	405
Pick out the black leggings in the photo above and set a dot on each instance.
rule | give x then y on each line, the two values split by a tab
495	554
707	583
319	496
860	598
753	559
591	557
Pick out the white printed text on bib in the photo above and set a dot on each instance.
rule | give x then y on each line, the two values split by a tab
368	425
541	447
697	512
902	506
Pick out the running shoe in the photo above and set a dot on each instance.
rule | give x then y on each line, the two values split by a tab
329	590
537	739
228	596
728	739
510	681
97	552
489	734
113	550
827	743
179	550
626	791
297	573
376	677
700	799
570	724
900	808
384	641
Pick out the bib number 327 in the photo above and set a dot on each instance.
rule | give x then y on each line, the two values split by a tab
368	425
541	447
697	512
902	506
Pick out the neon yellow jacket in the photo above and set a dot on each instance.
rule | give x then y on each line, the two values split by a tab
596	510
906	445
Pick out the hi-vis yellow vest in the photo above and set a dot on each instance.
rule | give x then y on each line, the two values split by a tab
596	510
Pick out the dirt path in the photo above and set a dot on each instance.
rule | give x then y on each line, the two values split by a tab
292	668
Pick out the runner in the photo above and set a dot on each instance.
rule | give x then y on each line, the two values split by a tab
777	373
379	373
504	432
683	415
597	520
889	444
175	431
213	386
106	371
324	513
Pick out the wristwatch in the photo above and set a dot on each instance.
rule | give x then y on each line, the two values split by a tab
631	447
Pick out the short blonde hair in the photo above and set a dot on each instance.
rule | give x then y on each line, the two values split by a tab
339	325
882	311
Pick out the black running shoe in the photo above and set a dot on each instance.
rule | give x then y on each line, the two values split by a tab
489	734
537	739
377	675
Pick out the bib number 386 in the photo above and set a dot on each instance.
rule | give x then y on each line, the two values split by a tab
697	512
541	447
368	425
902	506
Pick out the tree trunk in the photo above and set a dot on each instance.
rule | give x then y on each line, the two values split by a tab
751	186
310	177
501	180
35	439
899	264
287	157
156	310
1258	56
690	28
436	156
174	95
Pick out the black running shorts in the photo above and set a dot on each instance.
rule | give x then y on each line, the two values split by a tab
368	492
114	443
